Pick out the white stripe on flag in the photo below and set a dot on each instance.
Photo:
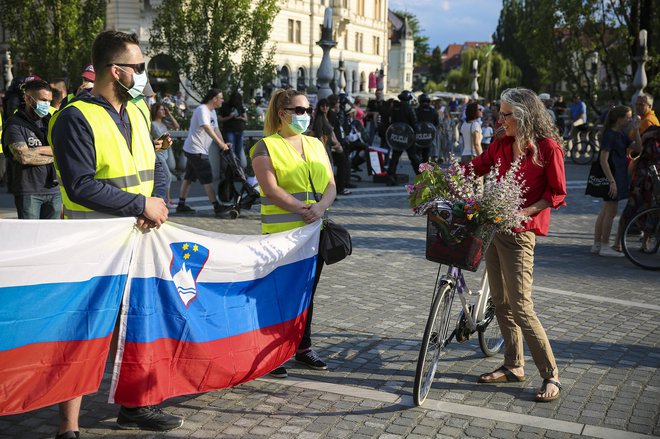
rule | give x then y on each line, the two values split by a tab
236	258
37	252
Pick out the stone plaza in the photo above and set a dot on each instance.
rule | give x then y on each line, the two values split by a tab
602	316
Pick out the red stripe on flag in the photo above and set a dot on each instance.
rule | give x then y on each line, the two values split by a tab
43	374
153	372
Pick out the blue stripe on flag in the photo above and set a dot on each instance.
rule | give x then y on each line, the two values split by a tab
66	311
220	310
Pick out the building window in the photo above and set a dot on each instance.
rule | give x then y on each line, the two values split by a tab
407	77
378	7
320	31
346	40
360	8
300	82
295	29
376	43
359	41
409	58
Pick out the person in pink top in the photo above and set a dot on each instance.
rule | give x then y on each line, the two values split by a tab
359	112
531	136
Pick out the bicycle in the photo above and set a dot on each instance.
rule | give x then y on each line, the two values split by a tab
476	315
641	236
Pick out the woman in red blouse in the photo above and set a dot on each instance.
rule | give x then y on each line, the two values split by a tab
530	134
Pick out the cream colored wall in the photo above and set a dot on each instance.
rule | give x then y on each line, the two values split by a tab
133	16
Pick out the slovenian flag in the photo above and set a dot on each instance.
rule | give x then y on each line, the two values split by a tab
199	311
61	284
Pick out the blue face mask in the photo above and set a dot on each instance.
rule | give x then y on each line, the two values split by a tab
299	124
42	108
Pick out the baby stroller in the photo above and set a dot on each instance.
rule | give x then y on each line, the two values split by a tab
233	187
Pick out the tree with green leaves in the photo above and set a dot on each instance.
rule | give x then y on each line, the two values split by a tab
555	43
54	37
491	65
221	44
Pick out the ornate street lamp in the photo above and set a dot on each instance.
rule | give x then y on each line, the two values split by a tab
640	75
594	74
475	75
325	72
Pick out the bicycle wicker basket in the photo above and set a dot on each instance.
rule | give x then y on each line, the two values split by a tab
453	240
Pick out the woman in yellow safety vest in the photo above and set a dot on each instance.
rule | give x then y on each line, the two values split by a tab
284	162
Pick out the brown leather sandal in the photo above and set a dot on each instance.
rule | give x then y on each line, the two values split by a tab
508	377
547	381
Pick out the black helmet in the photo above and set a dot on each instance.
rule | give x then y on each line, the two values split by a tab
405	96
424	99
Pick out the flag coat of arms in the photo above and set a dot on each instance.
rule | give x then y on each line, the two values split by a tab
199	310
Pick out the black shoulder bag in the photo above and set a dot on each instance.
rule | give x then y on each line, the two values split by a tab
335	243
597	183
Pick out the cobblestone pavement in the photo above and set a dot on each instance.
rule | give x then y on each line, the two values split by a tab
602	317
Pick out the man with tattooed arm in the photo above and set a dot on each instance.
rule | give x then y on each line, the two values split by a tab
32	178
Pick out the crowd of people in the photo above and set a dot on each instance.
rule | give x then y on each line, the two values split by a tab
104	151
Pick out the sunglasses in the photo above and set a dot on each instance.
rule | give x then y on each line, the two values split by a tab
301	110
504	115
138	68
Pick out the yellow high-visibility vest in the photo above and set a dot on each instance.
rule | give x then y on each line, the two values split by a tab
129	170
144	108
293	172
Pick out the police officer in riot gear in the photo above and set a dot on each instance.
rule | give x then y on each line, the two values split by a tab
426	113
401	112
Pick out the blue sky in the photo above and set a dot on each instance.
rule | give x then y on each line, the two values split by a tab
453	21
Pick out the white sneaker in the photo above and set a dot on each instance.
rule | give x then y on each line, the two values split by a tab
595	249
610	252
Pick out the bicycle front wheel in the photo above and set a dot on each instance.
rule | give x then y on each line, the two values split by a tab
437	335
641	239
582	152
490	335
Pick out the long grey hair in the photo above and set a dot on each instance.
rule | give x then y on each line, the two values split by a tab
534	121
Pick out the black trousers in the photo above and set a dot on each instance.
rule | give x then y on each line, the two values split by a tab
343	172
306	341
396	155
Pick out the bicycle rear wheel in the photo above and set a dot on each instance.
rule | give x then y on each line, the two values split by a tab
436	337
582	152
490	335
641	239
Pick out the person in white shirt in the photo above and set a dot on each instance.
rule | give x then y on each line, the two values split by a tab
203	131
471	132
486	134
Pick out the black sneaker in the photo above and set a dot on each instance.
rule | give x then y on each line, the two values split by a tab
184	208
280	372
147	418
68	435
311	359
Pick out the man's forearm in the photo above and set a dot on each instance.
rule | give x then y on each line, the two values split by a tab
30	156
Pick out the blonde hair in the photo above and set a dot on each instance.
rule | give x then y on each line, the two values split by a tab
281	99
534	121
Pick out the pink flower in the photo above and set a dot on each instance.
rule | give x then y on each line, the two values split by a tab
410	188
426	167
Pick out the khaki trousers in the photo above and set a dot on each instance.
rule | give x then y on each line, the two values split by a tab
510	263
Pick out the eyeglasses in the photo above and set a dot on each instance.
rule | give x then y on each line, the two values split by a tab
301	110
138	68
504	115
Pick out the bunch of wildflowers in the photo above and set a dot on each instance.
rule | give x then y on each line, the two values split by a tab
497	200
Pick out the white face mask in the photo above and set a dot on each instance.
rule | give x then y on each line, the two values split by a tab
139	82
299	124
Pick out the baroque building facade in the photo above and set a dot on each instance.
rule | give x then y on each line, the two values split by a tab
369	37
